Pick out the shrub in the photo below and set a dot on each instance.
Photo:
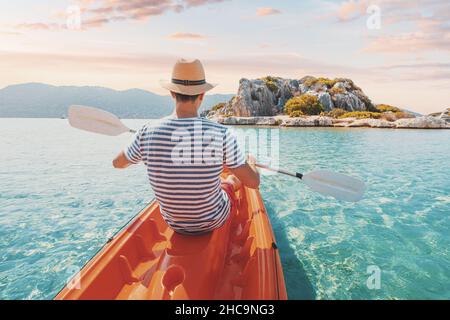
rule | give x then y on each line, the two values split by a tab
336	90
271	83
387	108
296	114
310	81
361	115
336	112
403	115
327	82
218	106
353	86
307	104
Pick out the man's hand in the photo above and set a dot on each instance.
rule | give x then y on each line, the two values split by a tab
251	160
121	161
248	174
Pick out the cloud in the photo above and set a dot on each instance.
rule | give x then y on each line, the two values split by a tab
33	26
432	33
97	13
195	3
10	33
409	42
263	12
350	10
406	26
113	10
186	35
415	71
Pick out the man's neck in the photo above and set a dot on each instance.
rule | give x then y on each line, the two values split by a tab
185	112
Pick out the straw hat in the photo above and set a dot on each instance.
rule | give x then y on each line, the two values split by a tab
188	78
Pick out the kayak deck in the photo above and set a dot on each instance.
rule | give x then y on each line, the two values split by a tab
147	260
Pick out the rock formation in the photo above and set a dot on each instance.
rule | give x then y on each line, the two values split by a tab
261	102
445	115
422	123
267	96
426	122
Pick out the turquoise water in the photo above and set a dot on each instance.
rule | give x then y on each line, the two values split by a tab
60	200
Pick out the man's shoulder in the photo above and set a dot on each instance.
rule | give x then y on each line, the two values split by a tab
186	122
173	124
214	124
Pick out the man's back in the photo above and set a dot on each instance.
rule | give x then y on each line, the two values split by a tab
184	160
185	157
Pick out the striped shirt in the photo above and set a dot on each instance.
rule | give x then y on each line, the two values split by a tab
184	160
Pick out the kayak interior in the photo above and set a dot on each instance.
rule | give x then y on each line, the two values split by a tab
149	261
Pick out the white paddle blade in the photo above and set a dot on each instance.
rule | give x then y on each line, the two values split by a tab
337	185
96	120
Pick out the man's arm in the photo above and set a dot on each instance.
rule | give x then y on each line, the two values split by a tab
248	173
121	161
130	155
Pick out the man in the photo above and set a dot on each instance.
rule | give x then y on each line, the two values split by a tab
185	157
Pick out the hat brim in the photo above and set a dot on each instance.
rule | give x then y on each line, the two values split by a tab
187	90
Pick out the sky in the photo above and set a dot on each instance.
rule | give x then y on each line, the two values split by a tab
397	51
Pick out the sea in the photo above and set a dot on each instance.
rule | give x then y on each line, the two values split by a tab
61	199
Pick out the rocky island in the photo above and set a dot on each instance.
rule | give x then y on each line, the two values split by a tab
315	102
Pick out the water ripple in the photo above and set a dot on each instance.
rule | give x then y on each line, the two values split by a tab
63	201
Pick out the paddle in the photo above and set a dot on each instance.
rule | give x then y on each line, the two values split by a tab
337	185
96	120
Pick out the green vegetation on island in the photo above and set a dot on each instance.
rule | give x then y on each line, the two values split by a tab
361	115
306	104
218	106
335	113
271	83
387	108
311	81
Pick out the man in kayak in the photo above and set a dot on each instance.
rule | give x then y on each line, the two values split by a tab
185	156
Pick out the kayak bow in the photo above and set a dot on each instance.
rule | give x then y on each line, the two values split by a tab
147	260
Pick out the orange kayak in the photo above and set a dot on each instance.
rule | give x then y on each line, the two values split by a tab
148	261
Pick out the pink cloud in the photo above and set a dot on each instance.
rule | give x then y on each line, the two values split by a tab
97	13
354	9
194	3
351	9
408	42
140	9
39	26
186	35
431	33
10	33
263	12
33	26
426	29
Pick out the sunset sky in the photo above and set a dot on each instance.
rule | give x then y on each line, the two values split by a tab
125	44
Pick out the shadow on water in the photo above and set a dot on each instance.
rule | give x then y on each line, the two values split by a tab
297	283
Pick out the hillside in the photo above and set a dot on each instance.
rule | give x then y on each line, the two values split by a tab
37	100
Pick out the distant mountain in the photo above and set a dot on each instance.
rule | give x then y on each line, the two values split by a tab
37	100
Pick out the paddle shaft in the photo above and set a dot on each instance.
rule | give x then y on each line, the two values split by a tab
295	175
